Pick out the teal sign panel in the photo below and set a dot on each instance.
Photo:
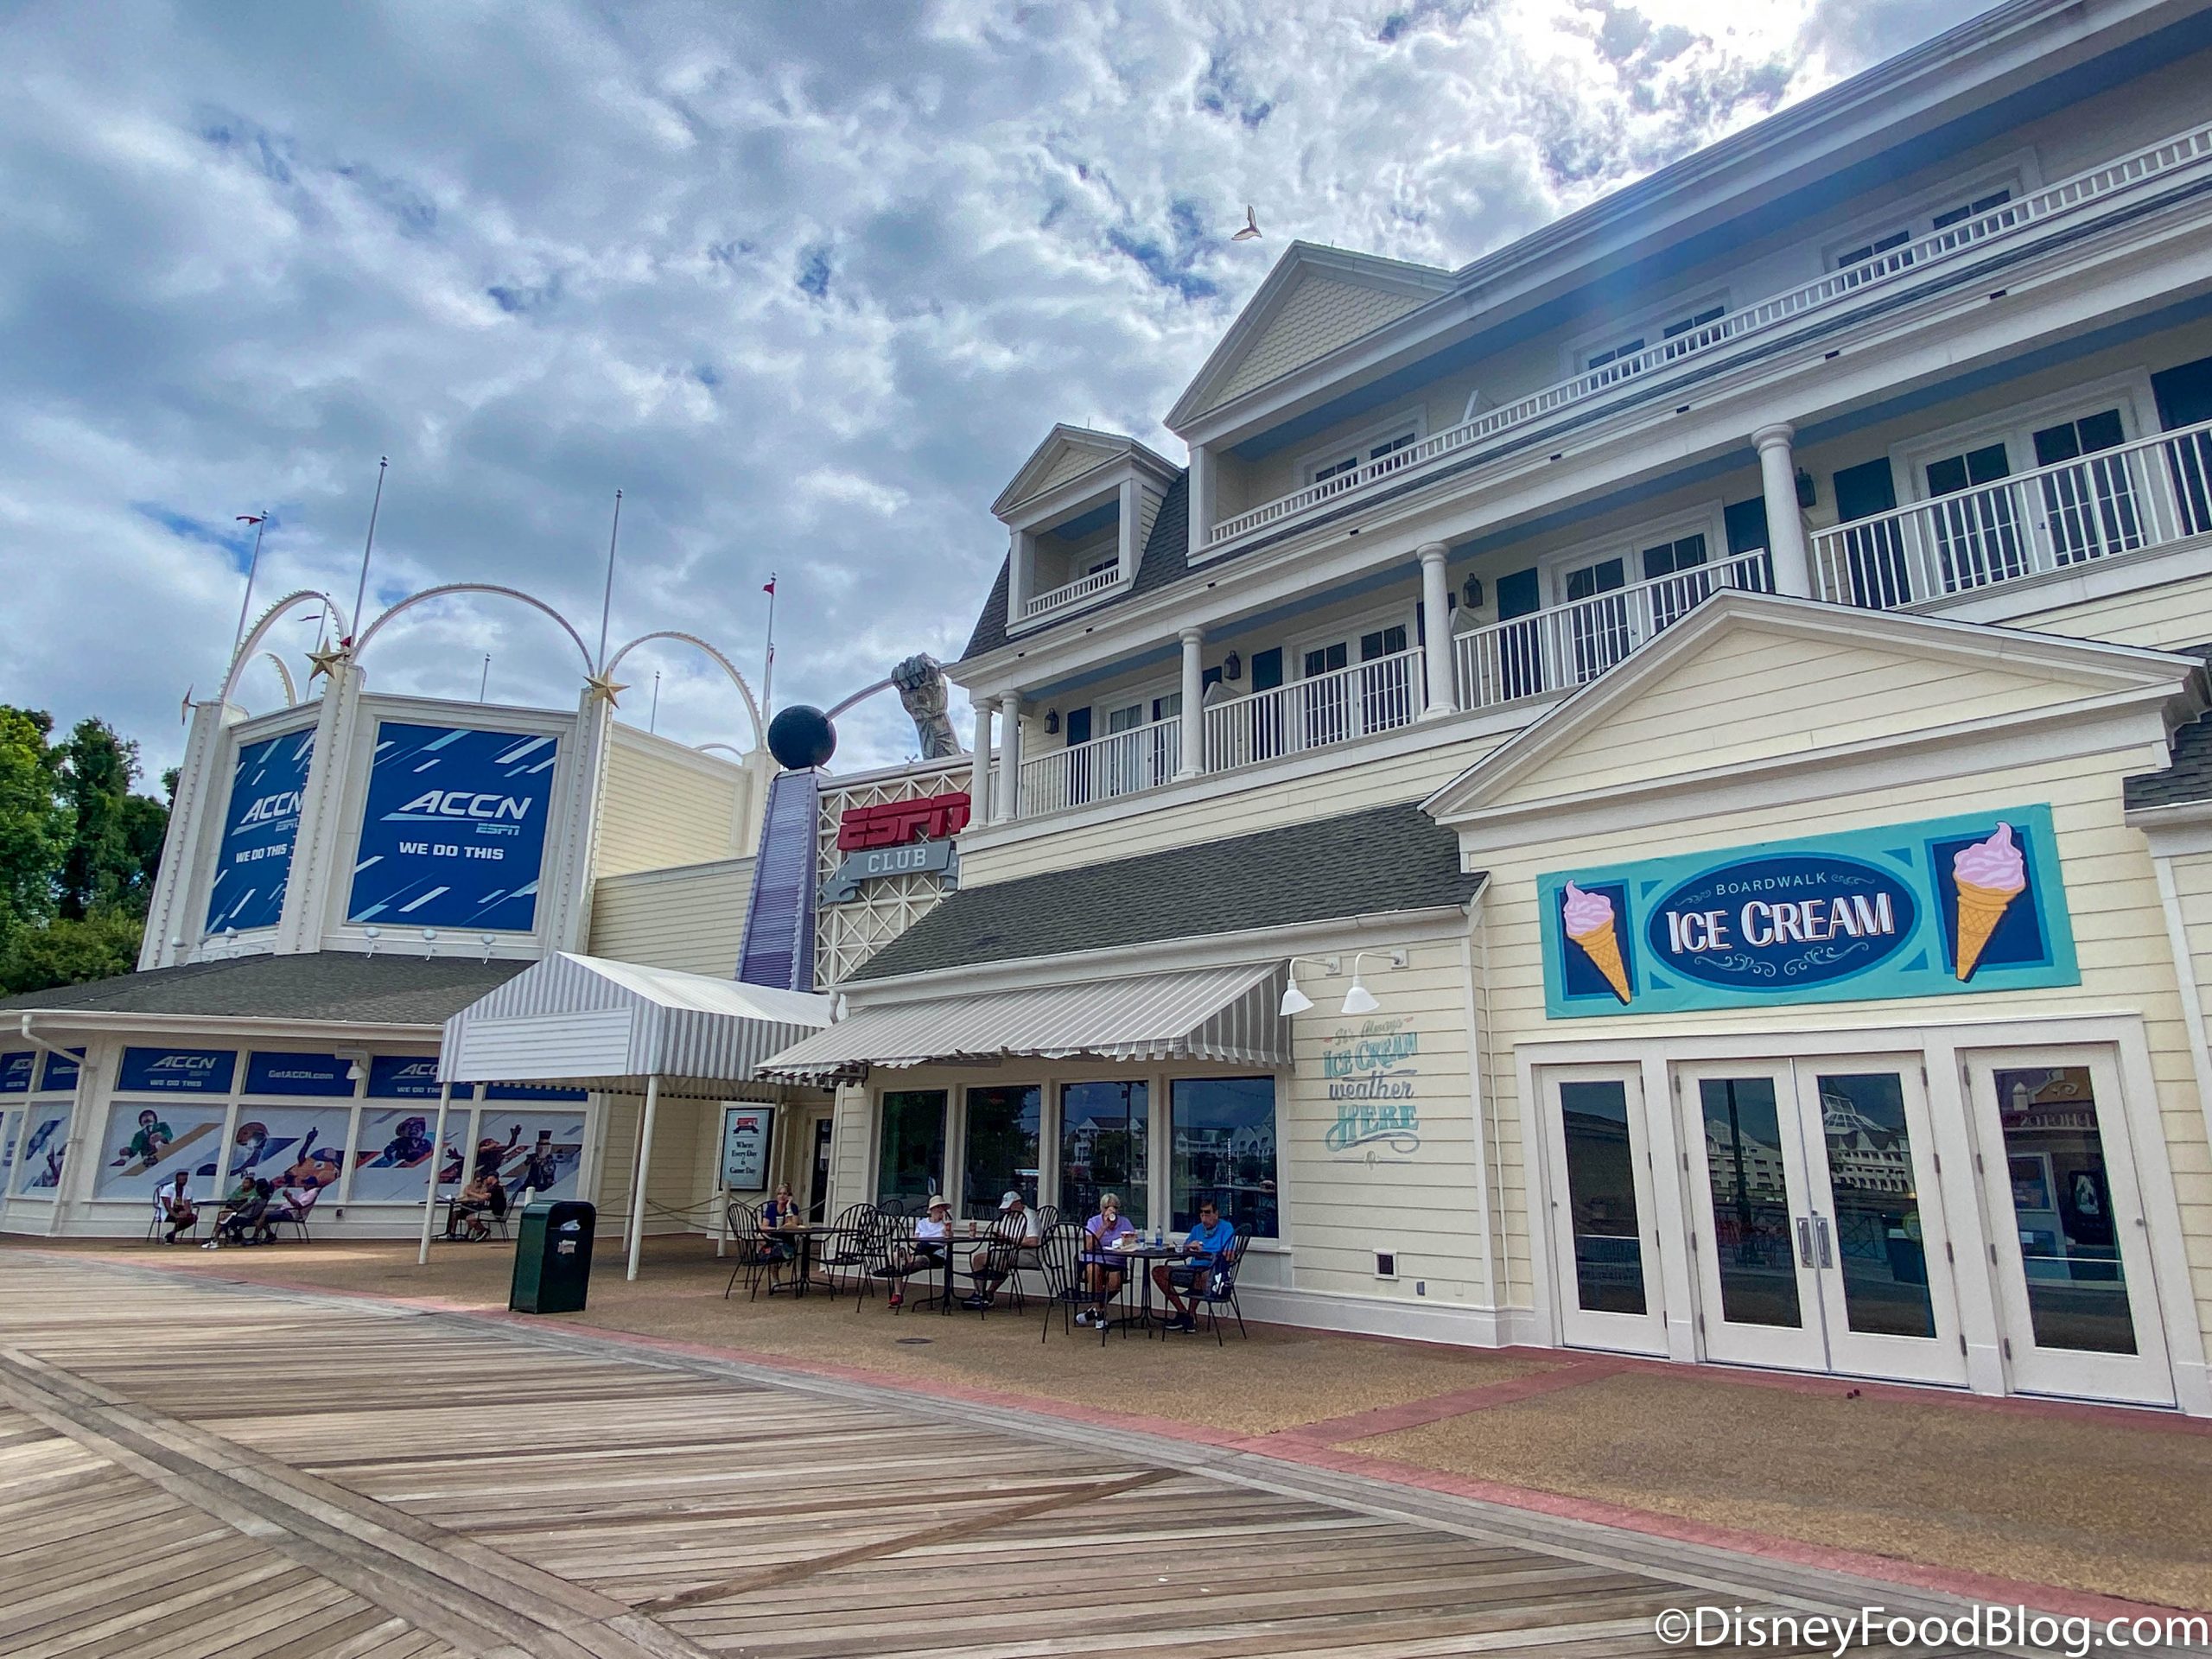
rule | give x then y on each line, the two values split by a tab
1949	906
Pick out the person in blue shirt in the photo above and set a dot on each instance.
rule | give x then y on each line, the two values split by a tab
1212	1241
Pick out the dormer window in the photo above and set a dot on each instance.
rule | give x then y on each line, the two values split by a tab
1080	513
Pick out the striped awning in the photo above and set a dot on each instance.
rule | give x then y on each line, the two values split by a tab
1206	1014
591	1023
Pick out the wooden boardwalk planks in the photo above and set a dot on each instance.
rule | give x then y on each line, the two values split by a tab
194	1471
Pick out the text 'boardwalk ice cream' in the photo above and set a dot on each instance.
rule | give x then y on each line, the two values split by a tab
1588	918
1989	875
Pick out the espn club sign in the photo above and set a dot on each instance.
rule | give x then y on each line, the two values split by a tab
912	838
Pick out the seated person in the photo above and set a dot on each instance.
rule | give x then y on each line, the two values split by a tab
251	1216
780	1211
1014	1231
932	1244
295	1199
1102	1267
475	1204
237	1198
173	1206
1212	1241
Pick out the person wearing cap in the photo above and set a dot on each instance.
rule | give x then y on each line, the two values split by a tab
932	1243
1210	1241
1014	1231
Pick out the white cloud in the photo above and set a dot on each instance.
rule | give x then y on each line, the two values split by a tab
807	284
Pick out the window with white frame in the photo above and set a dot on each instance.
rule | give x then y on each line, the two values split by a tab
1936	212
1343	458
1676	323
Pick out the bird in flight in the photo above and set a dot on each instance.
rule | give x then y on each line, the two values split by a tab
1251	228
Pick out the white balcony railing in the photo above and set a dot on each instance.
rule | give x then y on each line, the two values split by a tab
1121	763
2070	200
1312	714
2138	495
1070	592
1557	649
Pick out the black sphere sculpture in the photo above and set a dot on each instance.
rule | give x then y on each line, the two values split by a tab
801	737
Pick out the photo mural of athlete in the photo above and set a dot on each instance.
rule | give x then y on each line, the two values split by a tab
145	1145
453	832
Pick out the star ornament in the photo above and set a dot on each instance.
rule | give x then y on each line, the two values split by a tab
604	685
328	660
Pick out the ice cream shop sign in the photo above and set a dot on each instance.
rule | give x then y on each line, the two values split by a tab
1956	905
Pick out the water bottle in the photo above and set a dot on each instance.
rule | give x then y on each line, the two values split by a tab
1159	1237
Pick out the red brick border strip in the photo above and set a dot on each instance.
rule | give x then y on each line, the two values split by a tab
1435	1408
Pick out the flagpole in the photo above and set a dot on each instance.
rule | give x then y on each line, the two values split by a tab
253	564
768	669
606	599
361	591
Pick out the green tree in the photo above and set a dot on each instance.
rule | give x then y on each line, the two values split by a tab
69	951
34	828
115	845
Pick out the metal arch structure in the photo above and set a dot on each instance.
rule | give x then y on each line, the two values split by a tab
284	673
251	647
860	696
752	708
361	646
726	748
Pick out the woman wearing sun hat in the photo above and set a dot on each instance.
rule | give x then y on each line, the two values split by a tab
932	1241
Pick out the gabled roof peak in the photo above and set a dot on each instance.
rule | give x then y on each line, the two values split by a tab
1068	452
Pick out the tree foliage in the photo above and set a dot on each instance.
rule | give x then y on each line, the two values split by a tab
79	851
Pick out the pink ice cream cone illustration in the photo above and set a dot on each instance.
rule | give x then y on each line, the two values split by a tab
1989	875
1588	917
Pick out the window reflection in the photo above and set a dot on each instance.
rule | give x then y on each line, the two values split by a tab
1223	1139
2062	1204
1104	1136
1601	1195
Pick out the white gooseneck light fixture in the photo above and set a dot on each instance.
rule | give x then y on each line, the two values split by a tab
1295	1001
1359	999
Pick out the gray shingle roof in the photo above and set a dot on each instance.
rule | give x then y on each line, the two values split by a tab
2187	777
1386	858
334	985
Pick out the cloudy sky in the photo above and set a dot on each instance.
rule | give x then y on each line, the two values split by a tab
806	281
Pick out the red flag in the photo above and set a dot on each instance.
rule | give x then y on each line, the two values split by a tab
769	586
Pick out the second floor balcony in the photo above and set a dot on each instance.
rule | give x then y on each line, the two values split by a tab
1522	660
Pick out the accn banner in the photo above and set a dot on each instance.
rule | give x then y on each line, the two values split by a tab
453	830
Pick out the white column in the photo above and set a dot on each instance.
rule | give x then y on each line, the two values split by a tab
1006	796
1436	618
1019	567
437	1157
1194	724
644	1163
1785	523
979	782
1200	499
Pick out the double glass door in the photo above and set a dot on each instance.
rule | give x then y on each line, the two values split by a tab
1815	1230
1811	1235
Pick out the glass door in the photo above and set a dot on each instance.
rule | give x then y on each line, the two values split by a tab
1600	1200
1876	1229
2070	1249
1752	1240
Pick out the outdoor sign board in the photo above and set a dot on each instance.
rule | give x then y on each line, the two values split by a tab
260	824
297	1074
176	1071
15	1072
453	832
409	1077
1940	907
745	1130
909	837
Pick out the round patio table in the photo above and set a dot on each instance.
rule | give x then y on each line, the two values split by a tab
1141	1258
803	1238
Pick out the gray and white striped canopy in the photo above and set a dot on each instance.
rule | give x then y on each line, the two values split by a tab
588	1022
1216	1013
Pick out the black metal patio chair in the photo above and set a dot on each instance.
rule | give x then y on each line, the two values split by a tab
895	1258
1215	1288
1059	1254
750	1248
844	1250
995	1260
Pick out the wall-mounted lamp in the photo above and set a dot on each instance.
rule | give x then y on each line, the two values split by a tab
1471	593
430	941
1232	667
1051	722
372	934
489	940
1807	496
1295	1001
1359	999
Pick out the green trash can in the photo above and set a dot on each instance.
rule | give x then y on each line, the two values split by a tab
553	1257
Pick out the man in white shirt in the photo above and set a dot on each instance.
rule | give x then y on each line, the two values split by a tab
1014	1231
173	1205
932	1243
